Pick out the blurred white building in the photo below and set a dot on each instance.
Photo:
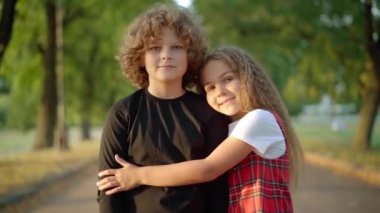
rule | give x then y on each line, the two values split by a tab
329	113
327	107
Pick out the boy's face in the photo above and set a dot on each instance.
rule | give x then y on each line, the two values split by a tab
222	87
166	58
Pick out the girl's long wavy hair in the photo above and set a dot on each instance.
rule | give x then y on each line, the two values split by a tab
259	92
146	28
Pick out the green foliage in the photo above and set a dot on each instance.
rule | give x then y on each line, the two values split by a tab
93	31
309	49
4	85
91	43
3	109
22	64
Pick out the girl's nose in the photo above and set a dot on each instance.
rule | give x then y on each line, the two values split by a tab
220	90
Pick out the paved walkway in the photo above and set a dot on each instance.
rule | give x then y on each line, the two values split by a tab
80	196
320	190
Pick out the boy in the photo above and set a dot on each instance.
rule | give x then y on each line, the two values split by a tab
162	122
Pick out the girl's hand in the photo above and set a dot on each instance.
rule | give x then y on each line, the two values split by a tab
118	180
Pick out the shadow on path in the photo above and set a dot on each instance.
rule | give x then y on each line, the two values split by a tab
319	190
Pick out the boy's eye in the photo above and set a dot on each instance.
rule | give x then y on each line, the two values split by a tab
154	48
178	47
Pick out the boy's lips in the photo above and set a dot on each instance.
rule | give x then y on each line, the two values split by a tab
166	66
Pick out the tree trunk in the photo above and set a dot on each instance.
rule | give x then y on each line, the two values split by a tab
61	139
44	130
88	92
86	106
6	25
370	94
86	129
368	110
48	107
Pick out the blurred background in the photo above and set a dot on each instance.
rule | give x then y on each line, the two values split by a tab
59	76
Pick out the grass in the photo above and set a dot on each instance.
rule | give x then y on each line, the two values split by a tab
13	141
317	137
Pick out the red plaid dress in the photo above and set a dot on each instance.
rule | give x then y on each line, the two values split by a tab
257	184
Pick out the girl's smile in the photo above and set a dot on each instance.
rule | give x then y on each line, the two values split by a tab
222	87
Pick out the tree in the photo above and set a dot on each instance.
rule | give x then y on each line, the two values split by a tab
92	32
91	43
278	33
47	114
61	138
6	25
306	47
370	81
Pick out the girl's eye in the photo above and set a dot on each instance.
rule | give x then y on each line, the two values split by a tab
228	79
209	88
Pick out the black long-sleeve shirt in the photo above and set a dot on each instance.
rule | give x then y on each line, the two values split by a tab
146	130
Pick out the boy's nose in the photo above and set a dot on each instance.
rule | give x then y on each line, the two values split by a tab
166	54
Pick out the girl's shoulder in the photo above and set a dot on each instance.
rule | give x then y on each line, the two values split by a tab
260	129
260	115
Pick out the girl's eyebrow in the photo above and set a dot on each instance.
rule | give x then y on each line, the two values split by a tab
219	77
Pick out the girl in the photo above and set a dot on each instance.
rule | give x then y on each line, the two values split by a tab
260	151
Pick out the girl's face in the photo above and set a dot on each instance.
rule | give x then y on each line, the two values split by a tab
222	87
165	59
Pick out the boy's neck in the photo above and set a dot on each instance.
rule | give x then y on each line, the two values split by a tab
166	91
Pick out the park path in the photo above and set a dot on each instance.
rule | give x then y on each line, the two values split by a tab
319	190
79	196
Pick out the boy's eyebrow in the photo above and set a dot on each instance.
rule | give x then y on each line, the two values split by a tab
155	41
158	40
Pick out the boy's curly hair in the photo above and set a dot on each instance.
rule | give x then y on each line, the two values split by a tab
146	27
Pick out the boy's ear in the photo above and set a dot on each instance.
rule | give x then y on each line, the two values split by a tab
142	61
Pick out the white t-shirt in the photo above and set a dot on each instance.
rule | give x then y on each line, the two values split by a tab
260	129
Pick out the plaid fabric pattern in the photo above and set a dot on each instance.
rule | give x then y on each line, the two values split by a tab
260	185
